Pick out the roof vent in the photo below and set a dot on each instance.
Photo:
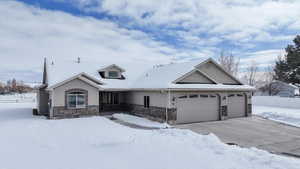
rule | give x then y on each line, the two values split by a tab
78	60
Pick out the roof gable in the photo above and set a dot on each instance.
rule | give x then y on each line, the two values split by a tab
112	67
194	77
217	72
83	77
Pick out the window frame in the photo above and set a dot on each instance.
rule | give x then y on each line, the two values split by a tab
77	94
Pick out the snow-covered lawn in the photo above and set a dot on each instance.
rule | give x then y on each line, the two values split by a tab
16	98
282	115
28	142
140	121
281	109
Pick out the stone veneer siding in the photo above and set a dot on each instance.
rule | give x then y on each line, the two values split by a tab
63	112
153	113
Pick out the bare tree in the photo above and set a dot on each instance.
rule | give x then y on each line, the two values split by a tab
230	63
251	73
270	87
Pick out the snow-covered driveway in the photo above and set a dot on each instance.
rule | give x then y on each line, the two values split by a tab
28	142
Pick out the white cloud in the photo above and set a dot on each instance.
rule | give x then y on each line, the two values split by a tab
241	20
262	58
29	34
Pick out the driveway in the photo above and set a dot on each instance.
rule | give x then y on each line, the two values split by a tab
253	132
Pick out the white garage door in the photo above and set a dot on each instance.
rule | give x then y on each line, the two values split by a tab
197	108
236	105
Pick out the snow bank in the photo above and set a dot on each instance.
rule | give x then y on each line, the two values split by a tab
282	115
29	142
285	102
140	121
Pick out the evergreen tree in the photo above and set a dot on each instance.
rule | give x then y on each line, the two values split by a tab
287	69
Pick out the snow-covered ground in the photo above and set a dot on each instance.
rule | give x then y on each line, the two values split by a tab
282	115
140	121
280	109
15	98
30	142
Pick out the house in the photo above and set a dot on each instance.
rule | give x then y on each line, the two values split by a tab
178	93
278	88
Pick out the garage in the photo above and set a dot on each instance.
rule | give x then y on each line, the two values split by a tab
197	108
236	105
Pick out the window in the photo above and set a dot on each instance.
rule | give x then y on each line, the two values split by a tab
76	100
212	95
231	95
113	74
146	101
182	97
204	95
239	95
193	96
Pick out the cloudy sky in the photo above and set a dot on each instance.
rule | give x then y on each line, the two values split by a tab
141	33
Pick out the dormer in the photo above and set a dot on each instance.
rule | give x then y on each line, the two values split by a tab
112	72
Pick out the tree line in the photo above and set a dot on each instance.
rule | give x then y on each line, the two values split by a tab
14	86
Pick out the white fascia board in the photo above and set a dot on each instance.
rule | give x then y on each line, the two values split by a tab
78	76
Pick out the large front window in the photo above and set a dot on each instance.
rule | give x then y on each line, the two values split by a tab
76	100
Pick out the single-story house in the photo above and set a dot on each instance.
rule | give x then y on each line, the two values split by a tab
278	88
188	92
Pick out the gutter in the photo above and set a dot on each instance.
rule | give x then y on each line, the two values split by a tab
177	89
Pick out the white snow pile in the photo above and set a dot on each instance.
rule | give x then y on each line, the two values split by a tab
282	115
29	142
140	121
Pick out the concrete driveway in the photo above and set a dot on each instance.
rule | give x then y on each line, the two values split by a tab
253	132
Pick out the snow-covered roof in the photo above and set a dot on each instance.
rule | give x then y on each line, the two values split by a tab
286	84
158	77
163	76
63	70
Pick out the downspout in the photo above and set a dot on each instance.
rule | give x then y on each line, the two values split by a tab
168	106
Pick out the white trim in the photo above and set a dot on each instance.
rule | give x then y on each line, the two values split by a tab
76	100
78	76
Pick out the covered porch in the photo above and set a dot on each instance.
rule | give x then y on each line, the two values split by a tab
112	101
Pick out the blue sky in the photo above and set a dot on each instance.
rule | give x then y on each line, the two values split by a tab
142	31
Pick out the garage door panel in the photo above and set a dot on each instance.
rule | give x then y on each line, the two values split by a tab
197	109
236	105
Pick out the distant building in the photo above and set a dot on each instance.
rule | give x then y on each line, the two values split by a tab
278	88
